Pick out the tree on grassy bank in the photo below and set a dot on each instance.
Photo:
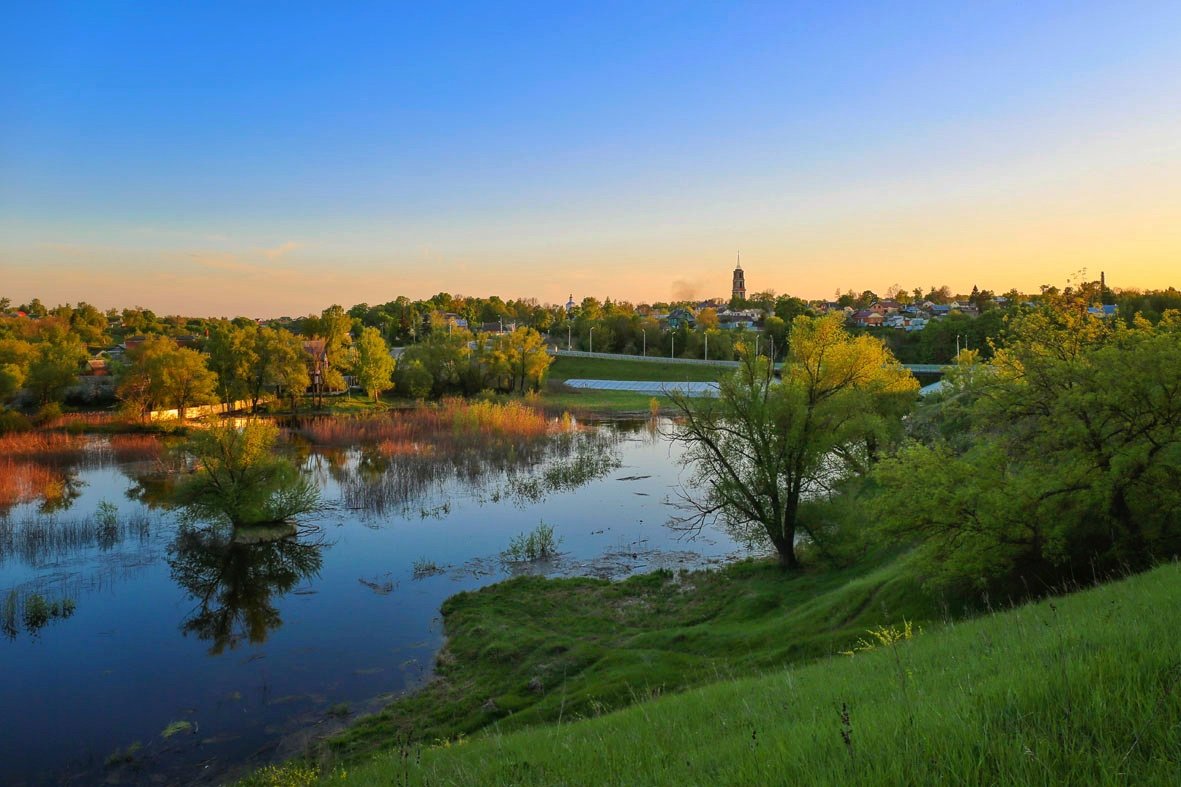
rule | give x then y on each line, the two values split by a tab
1058	460
762	445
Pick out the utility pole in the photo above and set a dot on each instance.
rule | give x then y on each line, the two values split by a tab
672	348
706	334
645	343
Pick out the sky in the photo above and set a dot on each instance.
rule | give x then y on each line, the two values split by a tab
265	159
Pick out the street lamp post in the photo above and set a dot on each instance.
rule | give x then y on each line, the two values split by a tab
672	348
707	345
645	343
592	339
569	346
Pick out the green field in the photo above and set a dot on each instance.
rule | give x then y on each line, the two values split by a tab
558	397
611	369
1077	689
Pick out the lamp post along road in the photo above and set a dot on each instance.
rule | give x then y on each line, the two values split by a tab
592	338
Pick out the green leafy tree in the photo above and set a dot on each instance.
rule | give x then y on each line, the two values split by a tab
523	358
233	356
187	381
54	367
1068	457
239	480
764	444
374	366
12	379
414	379
286	363
163	375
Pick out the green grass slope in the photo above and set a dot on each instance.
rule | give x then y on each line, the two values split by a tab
1081	689
531	650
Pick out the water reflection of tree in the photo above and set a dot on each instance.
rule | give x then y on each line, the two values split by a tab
236	585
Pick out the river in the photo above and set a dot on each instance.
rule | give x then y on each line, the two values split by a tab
113	633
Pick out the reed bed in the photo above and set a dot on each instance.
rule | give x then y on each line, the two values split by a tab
83	421
36	538
451	421
43	446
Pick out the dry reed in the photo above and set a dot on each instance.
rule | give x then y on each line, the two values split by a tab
136	447
43	446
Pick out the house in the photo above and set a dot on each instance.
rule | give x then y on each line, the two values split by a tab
453	319
894	321
916	323
867	319
1104	310
681	316
885	307
97	367
739	318
940	309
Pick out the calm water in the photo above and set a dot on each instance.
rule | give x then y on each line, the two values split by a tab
160	622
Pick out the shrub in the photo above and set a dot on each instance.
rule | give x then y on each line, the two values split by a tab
539	544
11	421
48	415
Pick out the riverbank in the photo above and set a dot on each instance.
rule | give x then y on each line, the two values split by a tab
531	651
1075	689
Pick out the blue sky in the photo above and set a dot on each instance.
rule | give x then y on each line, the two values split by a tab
184	155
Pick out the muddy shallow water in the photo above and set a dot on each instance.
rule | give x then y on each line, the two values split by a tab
111	633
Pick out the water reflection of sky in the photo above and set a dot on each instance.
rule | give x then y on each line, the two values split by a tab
347	624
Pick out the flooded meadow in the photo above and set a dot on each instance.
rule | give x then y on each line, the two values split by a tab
139	644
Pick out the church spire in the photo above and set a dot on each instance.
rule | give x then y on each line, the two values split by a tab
738	288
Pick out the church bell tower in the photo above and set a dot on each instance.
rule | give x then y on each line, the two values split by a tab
738	290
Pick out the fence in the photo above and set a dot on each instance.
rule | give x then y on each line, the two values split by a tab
201	410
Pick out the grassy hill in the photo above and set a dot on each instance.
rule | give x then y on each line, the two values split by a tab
1079	689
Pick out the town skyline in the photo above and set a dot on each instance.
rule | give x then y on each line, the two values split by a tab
680	292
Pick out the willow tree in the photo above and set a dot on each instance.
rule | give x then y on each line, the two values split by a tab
239	480
765	444
373	364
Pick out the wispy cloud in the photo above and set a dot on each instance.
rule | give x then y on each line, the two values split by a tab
280	250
